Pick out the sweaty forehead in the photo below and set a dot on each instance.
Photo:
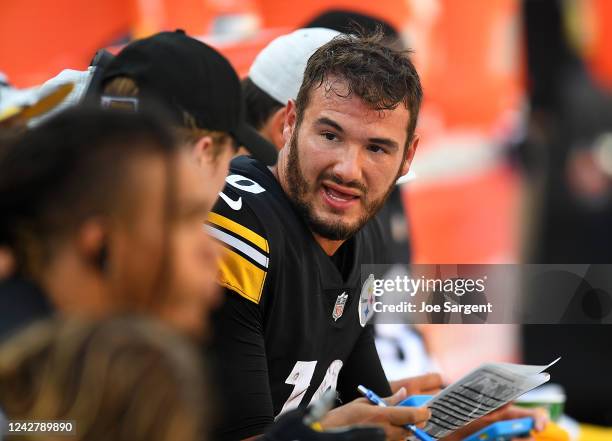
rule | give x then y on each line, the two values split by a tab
334	99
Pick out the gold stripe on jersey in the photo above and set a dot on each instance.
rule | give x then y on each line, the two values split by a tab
239	230
241	275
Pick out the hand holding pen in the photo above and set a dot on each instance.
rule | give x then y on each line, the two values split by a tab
375	399
360	413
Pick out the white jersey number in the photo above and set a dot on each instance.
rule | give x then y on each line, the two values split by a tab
245	184
241	183
300	377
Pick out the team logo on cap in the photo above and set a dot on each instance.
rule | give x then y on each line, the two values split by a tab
339	306
366	301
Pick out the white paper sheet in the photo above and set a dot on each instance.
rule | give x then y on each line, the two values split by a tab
480	392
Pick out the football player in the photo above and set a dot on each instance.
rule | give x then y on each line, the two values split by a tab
296	234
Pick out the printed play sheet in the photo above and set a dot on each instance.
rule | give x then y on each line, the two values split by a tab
480	392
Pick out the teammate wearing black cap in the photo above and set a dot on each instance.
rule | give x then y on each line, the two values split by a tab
200	91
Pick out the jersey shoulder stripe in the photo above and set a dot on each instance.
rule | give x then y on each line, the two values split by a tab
241	276
240	230
238	244
244	264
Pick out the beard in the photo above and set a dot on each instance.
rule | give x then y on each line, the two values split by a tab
299	190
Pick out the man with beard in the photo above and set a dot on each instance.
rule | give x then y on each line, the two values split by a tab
290	328
296	235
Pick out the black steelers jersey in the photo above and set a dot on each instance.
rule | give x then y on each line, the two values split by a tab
289	327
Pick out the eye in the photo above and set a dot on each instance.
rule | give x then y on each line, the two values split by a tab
329	136
376	149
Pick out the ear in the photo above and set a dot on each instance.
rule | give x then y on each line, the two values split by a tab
276	127
7	262
92	243
290	119
410	154
202	151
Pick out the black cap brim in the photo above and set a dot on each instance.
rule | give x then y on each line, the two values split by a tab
261	149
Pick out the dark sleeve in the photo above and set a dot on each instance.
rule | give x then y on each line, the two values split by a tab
240	366
21	303
363	367
238	346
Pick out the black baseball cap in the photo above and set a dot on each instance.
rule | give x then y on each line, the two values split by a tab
185	75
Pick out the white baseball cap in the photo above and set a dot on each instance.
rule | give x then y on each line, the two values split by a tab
279	68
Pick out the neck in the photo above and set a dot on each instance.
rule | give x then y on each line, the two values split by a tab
329	246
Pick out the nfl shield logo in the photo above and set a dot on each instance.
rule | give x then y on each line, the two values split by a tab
339	306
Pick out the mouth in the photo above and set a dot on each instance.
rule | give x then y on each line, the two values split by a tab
338	197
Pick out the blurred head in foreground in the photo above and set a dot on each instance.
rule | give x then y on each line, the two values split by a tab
104	212
123	379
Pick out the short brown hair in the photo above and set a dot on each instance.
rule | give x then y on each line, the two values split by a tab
378	74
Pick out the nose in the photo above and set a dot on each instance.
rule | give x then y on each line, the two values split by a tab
348	165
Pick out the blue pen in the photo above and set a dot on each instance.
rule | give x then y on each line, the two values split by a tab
375	399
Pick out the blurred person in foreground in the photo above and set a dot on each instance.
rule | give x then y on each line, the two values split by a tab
292	324
102	212
126	378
